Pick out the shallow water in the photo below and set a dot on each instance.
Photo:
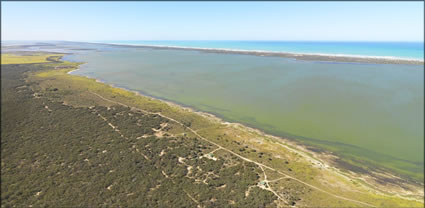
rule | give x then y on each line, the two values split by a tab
366	111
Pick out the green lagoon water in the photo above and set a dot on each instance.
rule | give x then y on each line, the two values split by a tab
370	112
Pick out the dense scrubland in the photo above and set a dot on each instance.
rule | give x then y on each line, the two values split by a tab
71	141
56	155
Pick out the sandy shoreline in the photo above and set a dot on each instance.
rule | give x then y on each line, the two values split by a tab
297	56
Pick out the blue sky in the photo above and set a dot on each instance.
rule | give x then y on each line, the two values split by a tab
328	21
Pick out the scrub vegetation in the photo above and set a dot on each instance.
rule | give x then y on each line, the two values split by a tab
72	141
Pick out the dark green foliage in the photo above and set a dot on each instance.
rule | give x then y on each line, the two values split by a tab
60	156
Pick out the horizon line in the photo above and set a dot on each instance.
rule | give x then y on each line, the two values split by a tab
261	40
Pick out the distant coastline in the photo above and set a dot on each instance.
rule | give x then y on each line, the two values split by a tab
293	55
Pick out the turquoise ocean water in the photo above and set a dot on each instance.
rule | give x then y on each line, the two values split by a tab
411	50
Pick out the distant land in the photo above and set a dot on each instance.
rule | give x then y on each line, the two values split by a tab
375	52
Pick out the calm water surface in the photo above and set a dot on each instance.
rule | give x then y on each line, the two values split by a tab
368	111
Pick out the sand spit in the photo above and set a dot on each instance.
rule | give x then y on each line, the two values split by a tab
297	56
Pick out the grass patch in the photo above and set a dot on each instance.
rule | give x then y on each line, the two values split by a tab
28	59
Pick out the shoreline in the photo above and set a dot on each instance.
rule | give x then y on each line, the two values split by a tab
288	138
344	58
217	117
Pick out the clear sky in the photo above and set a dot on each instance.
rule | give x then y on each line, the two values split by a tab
338	21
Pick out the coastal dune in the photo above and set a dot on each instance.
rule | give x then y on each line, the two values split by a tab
298	56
